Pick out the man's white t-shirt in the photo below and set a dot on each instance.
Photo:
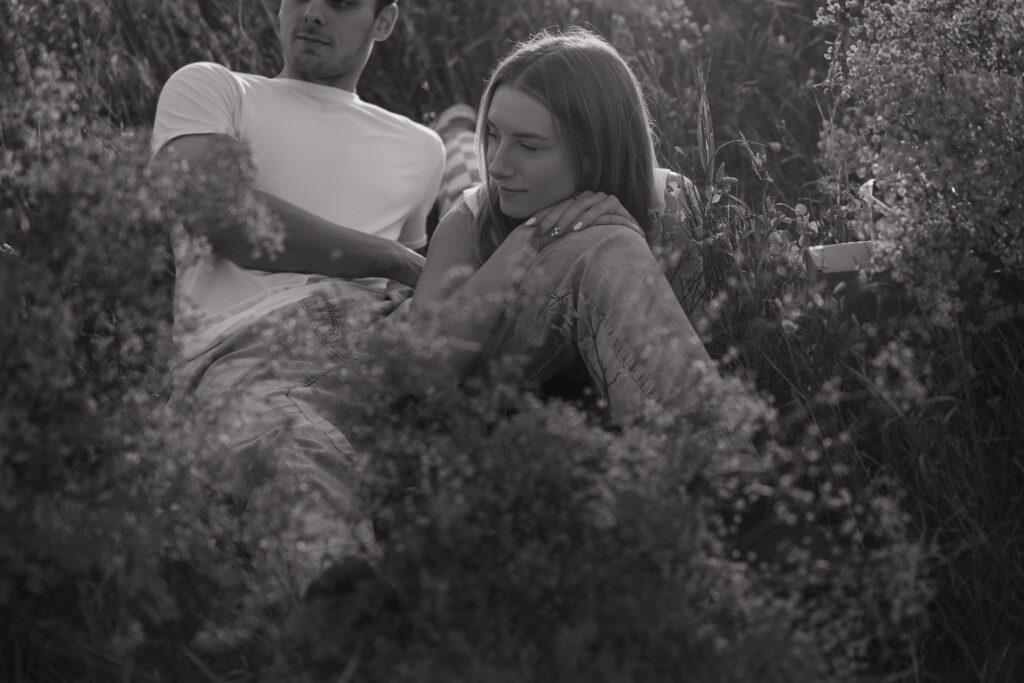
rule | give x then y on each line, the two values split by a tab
320	148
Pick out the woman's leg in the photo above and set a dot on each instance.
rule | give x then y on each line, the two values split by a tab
599	295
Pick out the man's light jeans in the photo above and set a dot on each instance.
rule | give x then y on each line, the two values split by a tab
596	296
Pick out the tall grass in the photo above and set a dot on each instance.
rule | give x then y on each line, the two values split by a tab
882	538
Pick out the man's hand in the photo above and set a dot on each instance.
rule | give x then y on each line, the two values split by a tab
409	265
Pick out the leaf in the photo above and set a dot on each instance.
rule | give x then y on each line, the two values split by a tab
705	133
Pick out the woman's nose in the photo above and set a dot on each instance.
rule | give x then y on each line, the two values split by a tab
497	162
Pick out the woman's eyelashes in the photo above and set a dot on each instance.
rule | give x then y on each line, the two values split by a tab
495	138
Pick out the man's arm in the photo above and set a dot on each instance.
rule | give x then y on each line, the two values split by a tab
311	244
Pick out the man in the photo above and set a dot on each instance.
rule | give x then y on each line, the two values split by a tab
353	185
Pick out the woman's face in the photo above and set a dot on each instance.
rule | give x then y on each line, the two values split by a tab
526	159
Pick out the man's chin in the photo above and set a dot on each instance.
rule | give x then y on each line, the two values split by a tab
311	68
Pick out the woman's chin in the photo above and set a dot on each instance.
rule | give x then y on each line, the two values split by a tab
514	212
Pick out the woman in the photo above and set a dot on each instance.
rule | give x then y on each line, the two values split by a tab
555	238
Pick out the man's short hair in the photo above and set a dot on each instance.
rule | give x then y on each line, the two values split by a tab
272	6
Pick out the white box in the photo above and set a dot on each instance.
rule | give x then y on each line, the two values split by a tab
838	260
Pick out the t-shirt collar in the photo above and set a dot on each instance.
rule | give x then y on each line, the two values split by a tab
321	92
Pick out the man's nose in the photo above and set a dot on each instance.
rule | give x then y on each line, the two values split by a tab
314	12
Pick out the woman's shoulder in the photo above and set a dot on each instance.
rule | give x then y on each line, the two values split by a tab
472	198
454	239
460	219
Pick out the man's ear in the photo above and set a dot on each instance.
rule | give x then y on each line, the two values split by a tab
384	24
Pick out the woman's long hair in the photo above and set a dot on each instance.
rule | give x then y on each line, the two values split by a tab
600	115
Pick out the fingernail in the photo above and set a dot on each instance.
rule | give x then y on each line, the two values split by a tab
532	220
577	226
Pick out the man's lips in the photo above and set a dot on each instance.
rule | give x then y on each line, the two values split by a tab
313	38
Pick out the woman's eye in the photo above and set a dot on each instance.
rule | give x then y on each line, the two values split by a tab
528	148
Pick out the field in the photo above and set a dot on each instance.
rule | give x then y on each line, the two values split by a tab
883	540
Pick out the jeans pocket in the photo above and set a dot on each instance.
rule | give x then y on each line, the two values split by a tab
327	321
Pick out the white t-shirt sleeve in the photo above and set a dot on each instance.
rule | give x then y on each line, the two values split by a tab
198	99
414	230
472	197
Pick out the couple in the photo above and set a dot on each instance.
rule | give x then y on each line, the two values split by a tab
561	226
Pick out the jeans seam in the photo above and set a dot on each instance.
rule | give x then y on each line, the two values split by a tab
332	313
632	366
310	305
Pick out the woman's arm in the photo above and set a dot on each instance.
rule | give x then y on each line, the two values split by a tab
452	250
466	311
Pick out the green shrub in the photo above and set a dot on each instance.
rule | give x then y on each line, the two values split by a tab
116	541
523	541
936	110
925	151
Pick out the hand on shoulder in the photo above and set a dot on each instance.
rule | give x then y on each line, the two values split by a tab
579	212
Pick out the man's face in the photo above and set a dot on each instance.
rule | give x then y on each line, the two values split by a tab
329	41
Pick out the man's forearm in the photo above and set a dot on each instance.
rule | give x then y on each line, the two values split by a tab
314	245
311	244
